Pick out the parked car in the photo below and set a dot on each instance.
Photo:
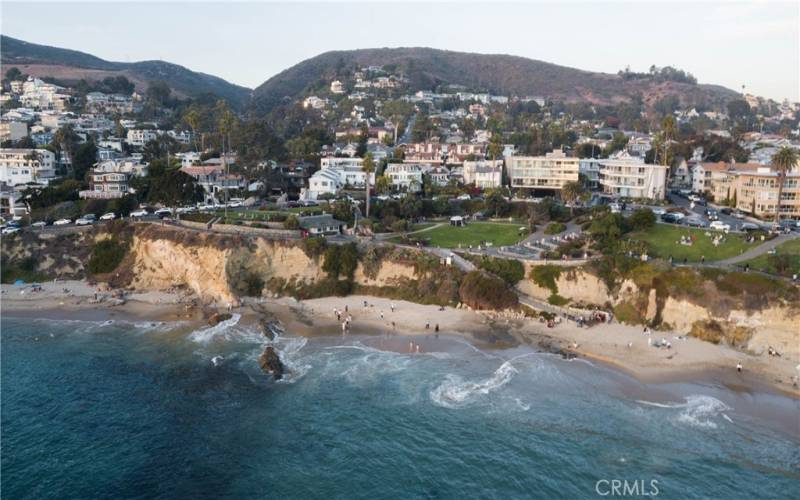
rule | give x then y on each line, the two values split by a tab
738	214
659	210
162	212
108	216
62	222
464	197
91	217
726	211
10	230
83	221
692	222
712	214
140	213
615	208
749	226
672	217
719	226
39	224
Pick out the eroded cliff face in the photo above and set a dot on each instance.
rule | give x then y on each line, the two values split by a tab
162	263
220	269
776	325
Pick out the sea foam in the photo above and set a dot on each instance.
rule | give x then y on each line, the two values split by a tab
697	411
456	393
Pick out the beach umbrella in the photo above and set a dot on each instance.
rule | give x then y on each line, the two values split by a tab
19	282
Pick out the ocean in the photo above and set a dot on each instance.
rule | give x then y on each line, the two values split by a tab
115	409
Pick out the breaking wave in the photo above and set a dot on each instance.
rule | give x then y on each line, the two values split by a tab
697	410
456	393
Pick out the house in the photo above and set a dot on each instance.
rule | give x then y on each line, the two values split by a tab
139	137
13	130
337	87
315	102
404	176
214	181
484	174
189	158
549	172
439	175
681	177
111	178
322	182
26	166
320	225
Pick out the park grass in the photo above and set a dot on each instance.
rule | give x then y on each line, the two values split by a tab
664	240
474	234
767	264
422	225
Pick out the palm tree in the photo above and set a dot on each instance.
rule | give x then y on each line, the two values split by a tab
570	192
192	118
368	167
783	161
66	139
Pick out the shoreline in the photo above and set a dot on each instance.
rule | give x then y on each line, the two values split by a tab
620	347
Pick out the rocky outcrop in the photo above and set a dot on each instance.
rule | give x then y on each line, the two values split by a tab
270	362
218	318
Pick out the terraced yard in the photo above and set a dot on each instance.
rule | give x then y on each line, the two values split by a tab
664	241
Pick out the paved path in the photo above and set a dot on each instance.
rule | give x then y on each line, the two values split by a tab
759	250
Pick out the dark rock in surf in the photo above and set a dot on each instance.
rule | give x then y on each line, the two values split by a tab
218	318
266	328
271	363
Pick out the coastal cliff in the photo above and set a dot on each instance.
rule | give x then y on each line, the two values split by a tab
747	311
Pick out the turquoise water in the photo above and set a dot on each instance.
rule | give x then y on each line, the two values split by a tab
138	410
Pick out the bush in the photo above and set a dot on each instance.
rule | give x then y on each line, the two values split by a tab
291	222
557	300
555	228
341	260
546	276
400	226
106	256
509	270
641	219
481	291
314	247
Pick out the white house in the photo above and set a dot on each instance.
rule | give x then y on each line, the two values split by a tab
405	176
140	137
111	178
628	176
337	87
324	181
24	166
13	131
485	174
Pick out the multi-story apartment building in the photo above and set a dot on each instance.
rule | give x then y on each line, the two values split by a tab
13	131
630	177
549	172
140	137
757	193
25	166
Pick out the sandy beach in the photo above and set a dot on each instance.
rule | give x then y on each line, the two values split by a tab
624	347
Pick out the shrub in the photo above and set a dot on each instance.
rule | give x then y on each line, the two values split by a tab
546	276
400	226
625	312
291	222
481	291
555	228
557	300
314	247
106	256
341	260
509	270
641	219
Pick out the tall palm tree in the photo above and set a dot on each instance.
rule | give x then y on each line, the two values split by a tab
192	118
783	161
368	167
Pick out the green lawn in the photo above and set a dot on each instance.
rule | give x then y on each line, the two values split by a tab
421	226
790	264
474	233
664	241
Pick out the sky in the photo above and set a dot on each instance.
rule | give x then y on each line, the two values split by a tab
755	44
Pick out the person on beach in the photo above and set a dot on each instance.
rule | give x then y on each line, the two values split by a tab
436	328
739	367
381	314
427	325
393	325
411	347
346	308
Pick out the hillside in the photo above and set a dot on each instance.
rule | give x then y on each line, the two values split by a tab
71	65
498	74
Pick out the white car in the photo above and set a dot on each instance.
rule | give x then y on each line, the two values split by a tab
738	214
163	212
139	213
10	230
39	224
108	216
62	222
659	211
84	221
465	197
720	226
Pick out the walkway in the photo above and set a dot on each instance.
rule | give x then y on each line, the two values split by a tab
759	250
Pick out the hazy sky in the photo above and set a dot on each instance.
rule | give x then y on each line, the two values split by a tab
733	44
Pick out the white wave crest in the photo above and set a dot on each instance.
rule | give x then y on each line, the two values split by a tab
698	410
206	335
456	393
